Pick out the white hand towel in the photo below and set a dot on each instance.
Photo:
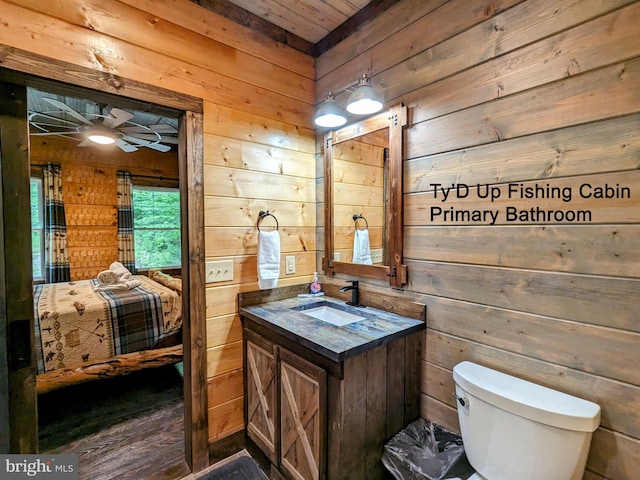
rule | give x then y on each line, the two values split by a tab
113	286
132	283
268	259
107	277
361	247
122	272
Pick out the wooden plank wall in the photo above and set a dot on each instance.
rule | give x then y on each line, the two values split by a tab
259	140
89	186
533	93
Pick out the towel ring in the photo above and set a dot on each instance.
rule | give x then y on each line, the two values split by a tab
359	217
263	214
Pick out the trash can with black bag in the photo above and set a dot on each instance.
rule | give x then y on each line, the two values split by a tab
426	451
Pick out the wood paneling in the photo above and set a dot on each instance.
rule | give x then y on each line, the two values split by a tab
191	17
259	98
534	92
598	147
224	358
109	53
225	387
225	419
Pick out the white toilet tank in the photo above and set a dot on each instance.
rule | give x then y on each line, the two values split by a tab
517	430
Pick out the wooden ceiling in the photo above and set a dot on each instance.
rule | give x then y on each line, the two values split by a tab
312	26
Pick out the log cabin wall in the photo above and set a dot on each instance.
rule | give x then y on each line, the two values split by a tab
532	93
89	186
259	141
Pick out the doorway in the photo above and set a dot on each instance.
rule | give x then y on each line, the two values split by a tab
190	179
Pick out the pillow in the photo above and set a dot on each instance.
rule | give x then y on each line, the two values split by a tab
166	280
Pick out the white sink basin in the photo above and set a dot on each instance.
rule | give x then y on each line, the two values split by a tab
332	315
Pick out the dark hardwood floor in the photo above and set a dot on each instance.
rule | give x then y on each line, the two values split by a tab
129	427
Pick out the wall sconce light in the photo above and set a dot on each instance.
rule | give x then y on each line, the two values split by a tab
362	101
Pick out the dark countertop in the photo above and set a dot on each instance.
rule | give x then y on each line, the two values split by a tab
335	343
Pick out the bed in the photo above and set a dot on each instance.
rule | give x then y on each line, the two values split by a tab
84	334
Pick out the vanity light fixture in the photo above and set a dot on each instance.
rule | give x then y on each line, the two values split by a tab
362	101
329	114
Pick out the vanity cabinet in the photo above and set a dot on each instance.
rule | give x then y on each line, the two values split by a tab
286	407
320	418
261	391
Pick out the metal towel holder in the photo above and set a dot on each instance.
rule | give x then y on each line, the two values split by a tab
357	217
264	214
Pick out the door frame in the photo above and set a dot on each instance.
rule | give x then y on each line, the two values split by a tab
16	311
30	69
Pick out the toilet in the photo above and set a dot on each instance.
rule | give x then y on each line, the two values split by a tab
517	430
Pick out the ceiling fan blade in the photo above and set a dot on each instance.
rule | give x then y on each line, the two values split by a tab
116	117
41	134
144	143
71	126
163	128
159	146
154	138
68	109
126	147
33	116
137	141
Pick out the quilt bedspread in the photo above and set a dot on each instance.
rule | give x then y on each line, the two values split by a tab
76	324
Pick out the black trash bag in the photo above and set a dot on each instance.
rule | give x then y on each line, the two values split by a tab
424	450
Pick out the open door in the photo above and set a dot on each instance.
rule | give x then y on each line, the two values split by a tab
18	420
18	407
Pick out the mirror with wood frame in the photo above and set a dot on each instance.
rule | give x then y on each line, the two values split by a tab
363	195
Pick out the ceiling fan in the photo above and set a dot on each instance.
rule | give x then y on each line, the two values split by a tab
91	129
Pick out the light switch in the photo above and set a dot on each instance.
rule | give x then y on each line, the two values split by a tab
376	255
219	271
290	264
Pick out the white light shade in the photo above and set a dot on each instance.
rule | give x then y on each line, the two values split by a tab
329	114
101	135
363	100
102	139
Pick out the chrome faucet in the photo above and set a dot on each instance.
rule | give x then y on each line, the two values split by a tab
354	292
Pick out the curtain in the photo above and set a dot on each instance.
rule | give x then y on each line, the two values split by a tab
126	252
55	227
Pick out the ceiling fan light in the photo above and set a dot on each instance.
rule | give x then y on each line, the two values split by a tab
101	136
363	100
102	139
329	114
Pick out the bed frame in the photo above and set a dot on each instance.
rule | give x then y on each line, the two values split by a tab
113	367
170	352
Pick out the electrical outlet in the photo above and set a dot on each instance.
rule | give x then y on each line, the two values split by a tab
290	264
336	256
376	255
219	271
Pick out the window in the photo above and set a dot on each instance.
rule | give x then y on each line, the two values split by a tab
156	227
37	229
